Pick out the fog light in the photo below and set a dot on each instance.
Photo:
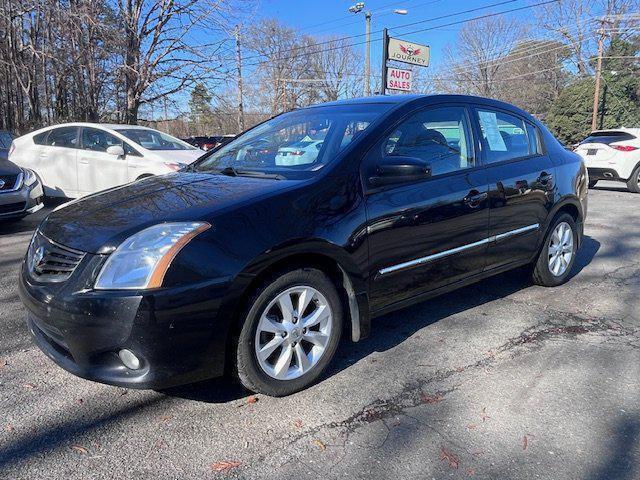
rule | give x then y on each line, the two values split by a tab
129	359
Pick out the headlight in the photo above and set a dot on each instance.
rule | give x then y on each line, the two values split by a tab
142	260
29	177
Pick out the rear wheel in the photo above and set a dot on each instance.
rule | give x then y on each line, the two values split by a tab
593	183
558	253
633	184
290	333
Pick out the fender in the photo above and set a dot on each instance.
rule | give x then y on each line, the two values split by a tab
349	274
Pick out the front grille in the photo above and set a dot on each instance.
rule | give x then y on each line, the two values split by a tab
8	182
50	262
12	207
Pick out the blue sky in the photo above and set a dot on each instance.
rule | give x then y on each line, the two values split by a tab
331	17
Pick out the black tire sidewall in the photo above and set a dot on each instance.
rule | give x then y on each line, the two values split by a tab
632	183
542	274
249	371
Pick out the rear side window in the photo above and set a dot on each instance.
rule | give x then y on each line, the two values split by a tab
535	144
608	137
504	136
63	137
41	138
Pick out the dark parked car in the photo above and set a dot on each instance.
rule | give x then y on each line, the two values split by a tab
207	143
5	143
231	265
20	192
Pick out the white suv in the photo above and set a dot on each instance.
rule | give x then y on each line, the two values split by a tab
77	159
613	155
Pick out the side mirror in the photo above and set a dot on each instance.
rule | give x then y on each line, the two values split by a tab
400	169
116	150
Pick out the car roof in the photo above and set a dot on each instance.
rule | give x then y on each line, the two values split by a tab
106	126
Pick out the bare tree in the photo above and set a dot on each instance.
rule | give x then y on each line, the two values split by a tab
160	57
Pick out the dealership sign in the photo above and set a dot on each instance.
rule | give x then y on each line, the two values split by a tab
398	79
407	52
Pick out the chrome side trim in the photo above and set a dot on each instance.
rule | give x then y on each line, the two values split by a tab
453	251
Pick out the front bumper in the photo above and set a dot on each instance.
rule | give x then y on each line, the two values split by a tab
21	202
173	332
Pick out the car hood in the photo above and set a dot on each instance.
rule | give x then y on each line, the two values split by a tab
178	156
100	222
7	167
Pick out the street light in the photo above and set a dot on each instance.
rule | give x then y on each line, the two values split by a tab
357	8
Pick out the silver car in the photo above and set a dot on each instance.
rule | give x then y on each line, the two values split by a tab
20	191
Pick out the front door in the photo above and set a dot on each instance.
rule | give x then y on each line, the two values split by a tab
521	185
429	233
97	169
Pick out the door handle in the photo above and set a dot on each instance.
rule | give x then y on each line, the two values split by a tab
474	198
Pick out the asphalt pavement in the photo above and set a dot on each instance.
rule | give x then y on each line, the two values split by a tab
501	380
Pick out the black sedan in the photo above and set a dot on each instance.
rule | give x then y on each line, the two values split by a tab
259	266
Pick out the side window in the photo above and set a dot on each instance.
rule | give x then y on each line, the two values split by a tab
503	136
535	146
439	136
41	138
63	137
98	140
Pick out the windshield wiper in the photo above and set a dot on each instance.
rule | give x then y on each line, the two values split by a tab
234	172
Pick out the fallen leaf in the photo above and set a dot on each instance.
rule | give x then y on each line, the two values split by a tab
79	449
425	398
3	362
252	399
297	423
165	418
9	428
320	445
29	386
525	440
450	458
471	426
471	472
224	466
484	414
460	369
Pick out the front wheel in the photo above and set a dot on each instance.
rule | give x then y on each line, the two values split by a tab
633	184
290	333
558	253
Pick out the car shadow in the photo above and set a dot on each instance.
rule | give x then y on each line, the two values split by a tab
392	329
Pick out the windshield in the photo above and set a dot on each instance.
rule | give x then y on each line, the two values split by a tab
154	140
299	141
607	137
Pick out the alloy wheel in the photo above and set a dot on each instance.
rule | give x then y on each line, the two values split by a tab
560	249
293	333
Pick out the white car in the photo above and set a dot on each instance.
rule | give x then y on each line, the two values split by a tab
77	159
613	155
303	152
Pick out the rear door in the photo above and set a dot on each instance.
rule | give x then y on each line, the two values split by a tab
97	169
56	162
429	233
521	184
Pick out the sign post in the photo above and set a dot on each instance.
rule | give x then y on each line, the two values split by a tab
385	53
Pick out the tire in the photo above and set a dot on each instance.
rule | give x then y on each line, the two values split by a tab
633	184
542	272
593	183
265	325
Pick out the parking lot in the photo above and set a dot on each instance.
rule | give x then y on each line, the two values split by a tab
500	380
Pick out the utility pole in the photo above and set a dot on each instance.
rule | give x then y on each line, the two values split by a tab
596	94
385	55
367	55
239	66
